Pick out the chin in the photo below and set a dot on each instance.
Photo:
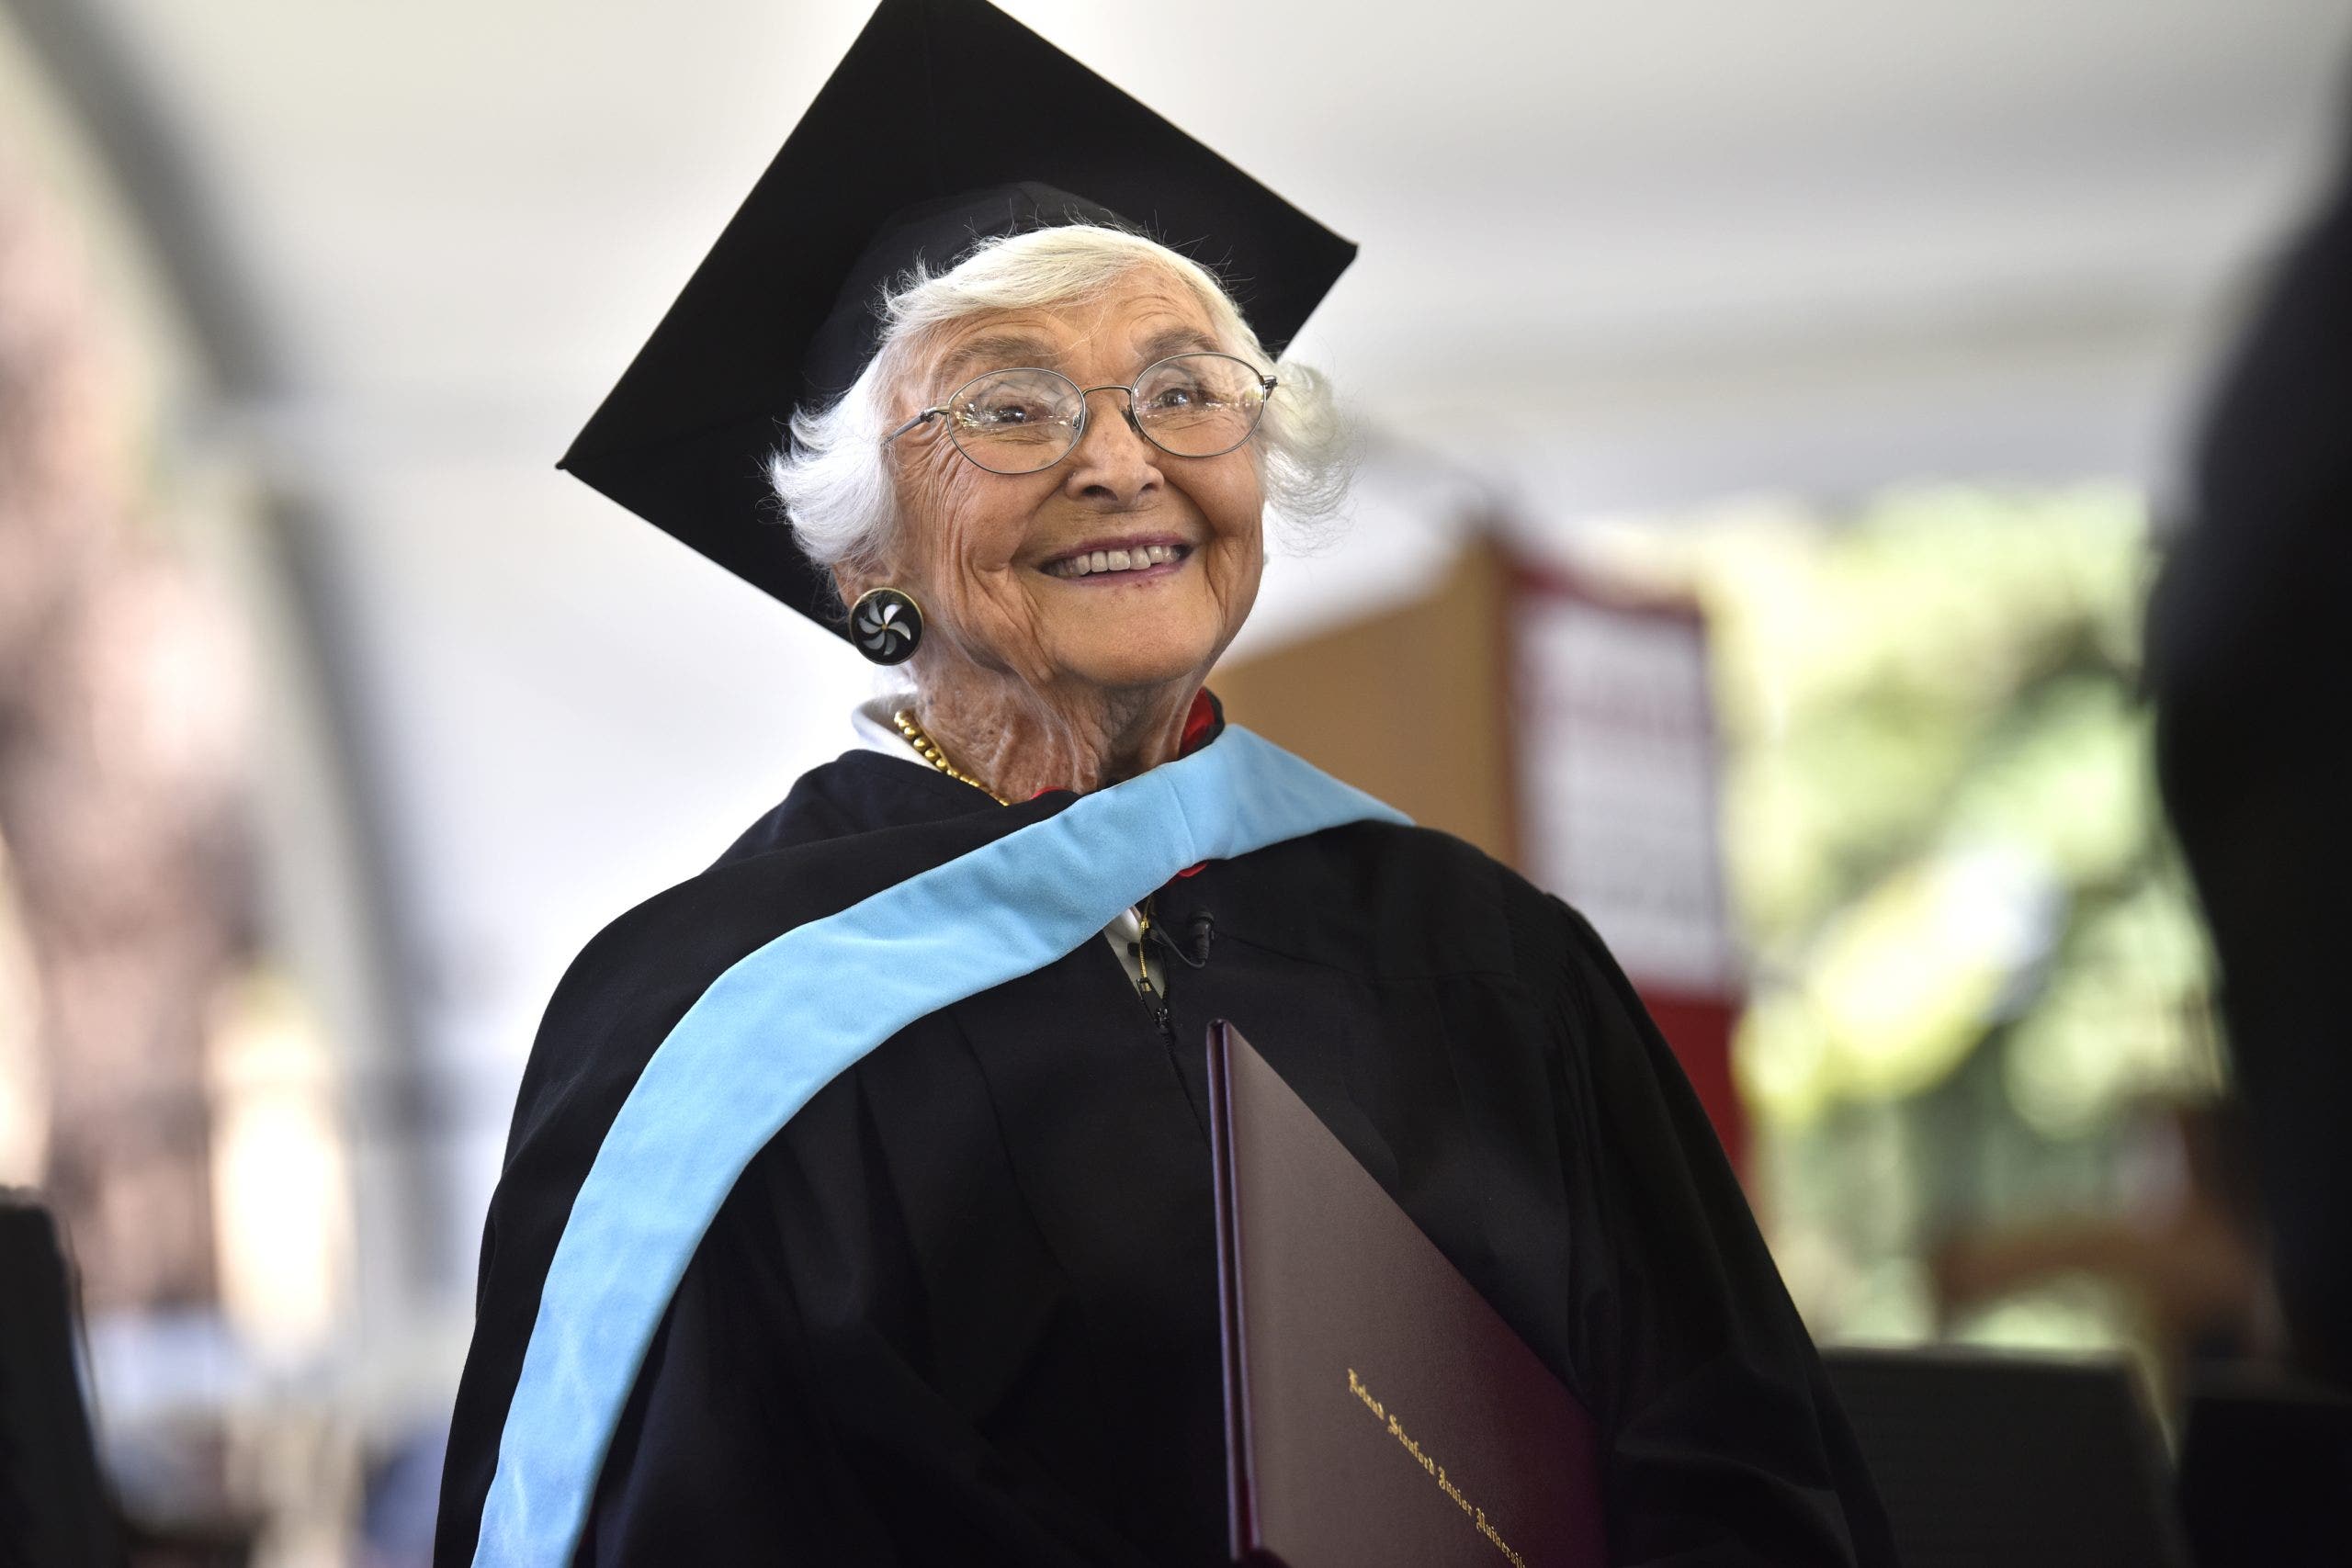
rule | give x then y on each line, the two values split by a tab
1131	660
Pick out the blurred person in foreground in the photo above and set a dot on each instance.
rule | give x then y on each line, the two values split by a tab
899	1248
2253	686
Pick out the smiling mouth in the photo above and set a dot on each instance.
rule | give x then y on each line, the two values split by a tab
1099	563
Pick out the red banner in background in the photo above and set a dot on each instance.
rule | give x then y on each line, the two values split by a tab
1619	796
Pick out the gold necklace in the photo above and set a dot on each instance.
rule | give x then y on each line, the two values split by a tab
928	750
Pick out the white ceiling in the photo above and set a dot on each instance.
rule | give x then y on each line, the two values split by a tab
468	214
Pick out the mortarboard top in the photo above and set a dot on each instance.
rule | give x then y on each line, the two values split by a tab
947	122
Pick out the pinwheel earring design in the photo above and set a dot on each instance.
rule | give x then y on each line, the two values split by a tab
887	624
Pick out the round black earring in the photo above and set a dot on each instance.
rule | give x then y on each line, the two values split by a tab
887	624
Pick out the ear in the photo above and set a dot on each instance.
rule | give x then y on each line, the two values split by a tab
849	582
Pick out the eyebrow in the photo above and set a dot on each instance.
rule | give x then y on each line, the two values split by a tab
1178	340
1007	350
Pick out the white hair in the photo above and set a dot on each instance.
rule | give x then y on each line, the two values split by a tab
835	478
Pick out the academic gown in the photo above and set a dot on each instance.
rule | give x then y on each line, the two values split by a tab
962	1308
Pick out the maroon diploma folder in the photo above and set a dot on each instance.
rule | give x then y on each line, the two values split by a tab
1379	1414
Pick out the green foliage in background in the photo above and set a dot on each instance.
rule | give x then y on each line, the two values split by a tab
1972	951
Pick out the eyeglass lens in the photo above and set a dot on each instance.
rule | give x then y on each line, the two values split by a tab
1192	405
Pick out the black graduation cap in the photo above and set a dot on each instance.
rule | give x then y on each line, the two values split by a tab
947	122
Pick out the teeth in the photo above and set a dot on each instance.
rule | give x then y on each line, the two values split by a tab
1140	559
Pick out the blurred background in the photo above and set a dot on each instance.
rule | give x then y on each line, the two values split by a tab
1773	417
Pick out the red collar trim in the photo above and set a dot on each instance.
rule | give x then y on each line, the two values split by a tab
1201	723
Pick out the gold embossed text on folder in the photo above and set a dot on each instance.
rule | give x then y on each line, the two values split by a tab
1435	1471
1320	1274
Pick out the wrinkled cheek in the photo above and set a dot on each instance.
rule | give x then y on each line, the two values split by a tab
1235	582
996	623
950	583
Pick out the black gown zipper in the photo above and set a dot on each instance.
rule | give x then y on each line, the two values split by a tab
1150	993
1157	1000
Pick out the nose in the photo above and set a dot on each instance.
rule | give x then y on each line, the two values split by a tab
1112	465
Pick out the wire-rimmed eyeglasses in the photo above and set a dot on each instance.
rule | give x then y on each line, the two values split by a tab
1026	419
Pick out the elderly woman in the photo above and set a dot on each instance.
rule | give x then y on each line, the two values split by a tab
858	1204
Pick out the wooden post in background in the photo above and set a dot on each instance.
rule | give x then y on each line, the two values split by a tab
1411	703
